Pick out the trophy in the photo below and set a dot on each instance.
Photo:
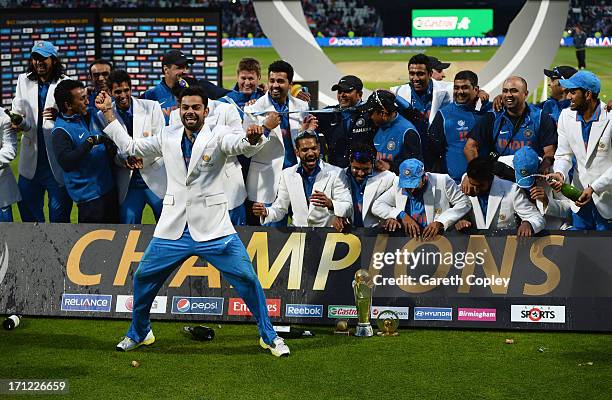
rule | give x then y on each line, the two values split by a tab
387	323
362	289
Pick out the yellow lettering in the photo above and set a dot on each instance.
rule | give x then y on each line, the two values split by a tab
129	256
73	266
478	243
552	271
188	268
444	246
329	264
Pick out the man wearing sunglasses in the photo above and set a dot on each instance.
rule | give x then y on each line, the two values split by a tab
344	128
366	185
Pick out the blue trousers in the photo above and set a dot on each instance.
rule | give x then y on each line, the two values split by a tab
238	215
33	197
6	214
588	218
227	254
135	201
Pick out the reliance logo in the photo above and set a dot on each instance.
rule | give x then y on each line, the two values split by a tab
86	302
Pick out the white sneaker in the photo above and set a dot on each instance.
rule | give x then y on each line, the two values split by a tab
278	348
128	344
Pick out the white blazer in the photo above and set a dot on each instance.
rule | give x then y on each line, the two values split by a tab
9	191
26	103
558	212
444	201
376	185
505	200
266	165
195	195
330	180
148	121
593	164
220	113
441	96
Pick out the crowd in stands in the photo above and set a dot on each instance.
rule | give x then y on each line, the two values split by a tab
594	16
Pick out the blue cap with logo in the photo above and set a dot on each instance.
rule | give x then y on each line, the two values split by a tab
45	49
410	173
526	163
582	80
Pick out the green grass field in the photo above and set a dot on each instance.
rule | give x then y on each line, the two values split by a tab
599	61
418	364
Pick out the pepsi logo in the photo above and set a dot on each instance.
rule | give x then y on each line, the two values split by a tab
333	41
224	42
129	303
183	305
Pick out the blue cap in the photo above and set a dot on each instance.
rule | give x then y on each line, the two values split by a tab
410	173
45	49
582	80
526	163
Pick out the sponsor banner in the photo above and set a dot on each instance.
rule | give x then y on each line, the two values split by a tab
402	312
477	314
342	312
392	41
433	314
455	22
86	264
86	302
125	304
605	41
537	314
197	305
304	310
237	306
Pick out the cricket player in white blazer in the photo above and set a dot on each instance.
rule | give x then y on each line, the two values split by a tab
39	170
145	119
278	153
585	133
426	204
497	203
220	113
195	219
315	191
9	192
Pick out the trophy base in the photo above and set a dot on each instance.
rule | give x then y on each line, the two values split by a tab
387	333
344	333
364	330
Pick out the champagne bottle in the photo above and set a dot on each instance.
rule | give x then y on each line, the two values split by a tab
12	322
200	332
16	119
571	192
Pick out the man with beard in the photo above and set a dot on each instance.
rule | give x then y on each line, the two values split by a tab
99	70
175	65
347	127
282	127
315	191
194	219
39	171
139	181
585	134
84	155
449	130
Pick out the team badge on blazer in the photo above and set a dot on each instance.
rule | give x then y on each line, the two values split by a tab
206	157
502	217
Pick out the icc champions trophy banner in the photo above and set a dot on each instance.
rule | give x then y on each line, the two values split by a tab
557	281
